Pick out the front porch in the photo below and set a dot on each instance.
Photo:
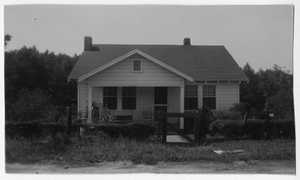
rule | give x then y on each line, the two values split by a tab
136	103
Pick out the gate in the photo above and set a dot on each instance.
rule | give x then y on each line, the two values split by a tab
199	126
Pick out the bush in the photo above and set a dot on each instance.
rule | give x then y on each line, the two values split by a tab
32	129
229	128
227	115
138	131
254	129
283	129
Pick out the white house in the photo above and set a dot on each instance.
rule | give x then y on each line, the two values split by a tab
171	78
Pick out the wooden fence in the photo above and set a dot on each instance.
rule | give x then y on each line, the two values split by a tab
199	119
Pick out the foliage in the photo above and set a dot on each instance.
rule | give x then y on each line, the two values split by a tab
254	128
29	72
30	105
283	129
82	151
274	85
32	129
101	114
7	38
225	115
36	150
250	94
282	103
138	131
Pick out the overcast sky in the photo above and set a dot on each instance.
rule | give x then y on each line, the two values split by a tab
260	35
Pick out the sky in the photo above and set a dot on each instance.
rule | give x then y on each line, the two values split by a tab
261	35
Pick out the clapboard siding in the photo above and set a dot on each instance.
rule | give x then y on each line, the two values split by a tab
145	97
83	95
98	94
120	74
228	94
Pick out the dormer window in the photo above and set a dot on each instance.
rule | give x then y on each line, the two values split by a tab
137	66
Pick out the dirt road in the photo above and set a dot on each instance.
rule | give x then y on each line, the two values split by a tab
239	167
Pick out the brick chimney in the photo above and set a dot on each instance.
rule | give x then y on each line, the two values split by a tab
187	41
87	43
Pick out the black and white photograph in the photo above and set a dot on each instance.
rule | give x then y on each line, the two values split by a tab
149	88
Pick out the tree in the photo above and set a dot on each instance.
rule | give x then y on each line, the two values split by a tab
33	71
250	94
274	85
31	105
7	38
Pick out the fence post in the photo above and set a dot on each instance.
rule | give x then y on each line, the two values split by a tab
197	128
69	120
163	120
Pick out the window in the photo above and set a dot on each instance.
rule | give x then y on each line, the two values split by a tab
110	97
129	98
137	66
190	98
209	96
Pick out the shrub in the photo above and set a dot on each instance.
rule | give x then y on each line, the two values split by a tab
32	129
254	129
233	129
138	131
283	129
30	105
227	115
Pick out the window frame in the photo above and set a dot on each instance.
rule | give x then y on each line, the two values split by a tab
126	96
209	96
189	97
141	66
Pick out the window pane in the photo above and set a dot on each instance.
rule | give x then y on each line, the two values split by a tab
209	102
209	91
190	103
190	91
137	65
129	103
110	97
110	102
129	98
110	91
129	91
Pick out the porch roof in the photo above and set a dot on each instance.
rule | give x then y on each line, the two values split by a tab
202	63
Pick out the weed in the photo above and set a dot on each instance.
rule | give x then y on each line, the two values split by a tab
99	149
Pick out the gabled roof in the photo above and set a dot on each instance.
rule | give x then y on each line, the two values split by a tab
201	63
136	51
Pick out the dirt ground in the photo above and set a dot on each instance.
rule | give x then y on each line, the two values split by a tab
199	167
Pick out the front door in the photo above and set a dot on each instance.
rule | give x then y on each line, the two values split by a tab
160	101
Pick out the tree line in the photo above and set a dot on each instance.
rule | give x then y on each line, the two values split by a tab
36	84
270	89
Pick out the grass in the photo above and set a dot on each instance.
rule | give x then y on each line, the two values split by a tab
99	149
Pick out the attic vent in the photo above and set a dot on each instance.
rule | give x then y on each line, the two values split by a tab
187	41
137	66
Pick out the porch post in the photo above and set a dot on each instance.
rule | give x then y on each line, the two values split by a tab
90	95
181	123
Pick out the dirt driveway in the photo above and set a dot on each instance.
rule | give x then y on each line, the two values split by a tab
239	167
